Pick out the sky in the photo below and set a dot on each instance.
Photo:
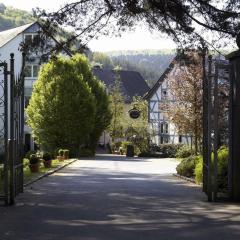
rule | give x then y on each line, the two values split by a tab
140	39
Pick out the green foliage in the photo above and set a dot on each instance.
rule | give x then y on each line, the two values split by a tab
33	159
29	153
198	171
85	152
12	17
223	155
168	150
102	116
47	156
117	111
62	108
184	152
222	168
102	59
187	166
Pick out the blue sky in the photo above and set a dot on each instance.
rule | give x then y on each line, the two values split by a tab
140	39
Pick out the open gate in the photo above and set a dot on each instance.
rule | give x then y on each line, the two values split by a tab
11	131
216	125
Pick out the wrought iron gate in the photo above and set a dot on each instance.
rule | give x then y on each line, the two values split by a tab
216	95
11	131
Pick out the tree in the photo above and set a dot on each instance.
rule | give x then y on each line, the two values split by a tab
102	117
185	86
62	108
117	110
182	20
103	59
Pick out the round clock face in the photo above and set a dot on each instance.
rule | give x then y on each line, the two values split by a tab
134	113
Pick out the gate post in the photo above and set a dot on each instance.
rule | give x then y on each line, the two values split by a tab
234	118
11	142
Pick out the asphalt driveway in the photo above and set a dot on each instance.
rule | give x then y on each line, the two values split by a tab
115	198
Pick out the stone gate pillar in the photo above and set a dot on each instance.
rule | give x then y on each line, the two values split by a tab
234	143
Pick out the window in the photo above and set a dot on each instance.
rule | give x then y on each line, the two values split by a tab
164	128
31	71
28	71
180	139
164	94
31	38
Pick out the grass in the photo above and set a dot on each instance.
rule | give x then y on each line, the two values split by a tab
29	176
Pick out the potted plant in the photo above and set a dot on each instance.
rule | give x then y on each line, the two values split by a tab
34	163
47	160
60	156
66	154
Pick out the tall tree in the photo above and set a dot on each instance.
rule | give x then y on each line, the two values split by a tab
102	117
62	108
117	110
185	84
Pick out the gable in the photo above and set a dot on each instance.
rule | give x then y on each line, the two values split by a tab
160	81
8	35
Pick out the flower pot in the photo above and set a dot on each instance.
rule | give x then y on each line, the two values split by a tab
34	168
60	158
47	164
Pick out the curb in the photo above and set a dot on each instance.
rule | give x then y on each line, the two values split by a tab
186	178
48	173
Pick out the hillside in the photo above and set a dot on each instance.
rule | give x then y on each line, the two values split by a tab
150	63
11	17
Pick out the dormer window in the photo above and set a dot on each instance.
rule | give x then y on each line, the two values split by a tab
31	38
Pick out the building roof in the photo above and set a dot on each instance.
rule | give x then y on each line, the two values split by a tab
159	82
132	83
8	35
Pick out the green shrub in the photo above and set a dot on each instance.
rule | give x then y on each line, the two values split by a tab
184	152
33	159
222	168
47	156
187	166
223	155
169	150
198	171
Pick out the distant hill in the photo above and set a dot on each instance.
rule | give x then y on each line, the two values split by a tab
150	63
11	17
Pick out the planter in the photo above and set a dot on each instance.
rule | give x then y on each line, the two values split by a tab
34	168
47	164
60	158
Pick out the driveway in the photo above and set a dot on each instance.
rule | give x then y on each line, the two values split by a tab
115	198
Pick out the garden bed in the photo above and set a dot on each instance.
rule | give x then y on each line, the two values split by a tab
30	177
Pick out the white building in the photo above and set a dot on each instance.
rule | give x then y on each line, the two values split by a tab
161	129
10	42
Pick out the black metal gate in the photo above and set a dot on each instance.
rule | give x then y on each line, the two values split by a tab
216	123
11	131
